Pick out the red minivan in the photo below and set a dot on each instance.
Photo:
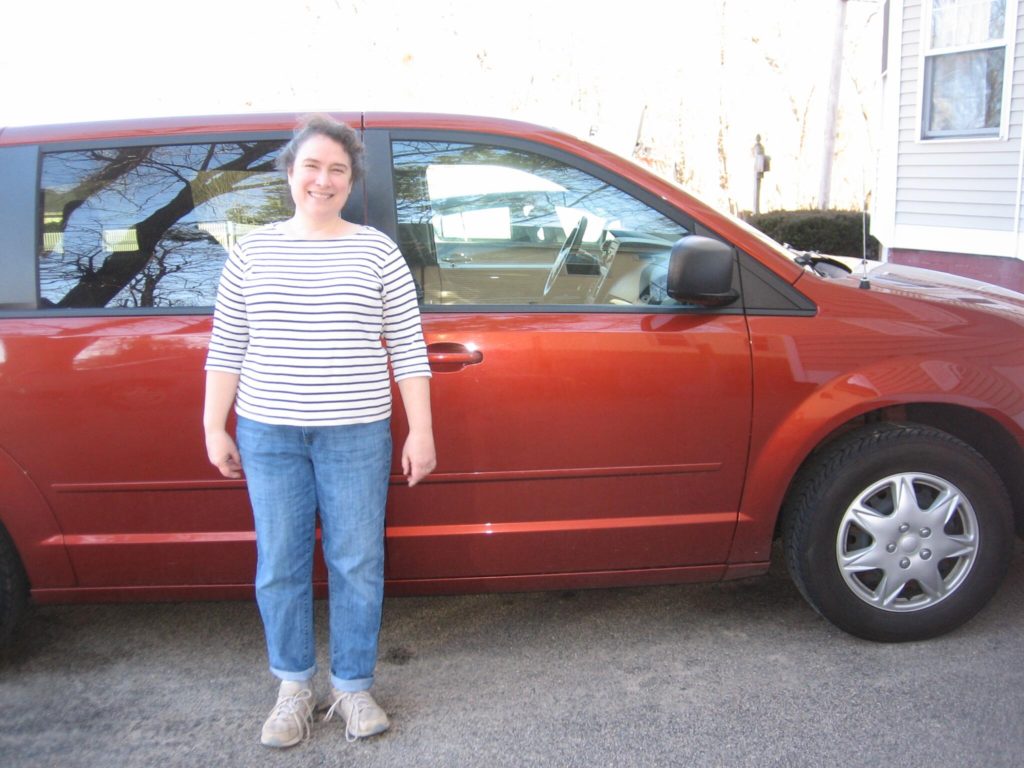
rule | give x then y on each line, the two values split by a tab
630	387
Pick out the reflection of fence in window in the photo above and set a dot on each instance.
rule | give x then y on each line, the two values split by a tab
53	242
120	240
226	232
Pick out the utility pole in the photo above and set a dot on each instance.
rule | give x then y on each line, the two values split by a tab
832	108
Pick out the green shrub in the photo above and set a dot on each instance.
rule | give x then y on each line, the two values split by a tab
835	232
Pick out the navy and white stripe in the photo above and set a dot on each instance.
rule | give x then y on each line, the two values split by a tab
302	323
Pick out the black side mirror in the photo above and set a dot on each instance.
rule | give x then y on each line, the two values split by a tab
700	272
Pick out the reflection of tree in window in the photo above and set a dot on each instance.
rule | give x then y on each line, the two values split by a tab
149	226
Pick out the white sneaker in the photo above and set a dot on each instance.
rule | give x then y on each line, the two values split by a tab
291	720
363	716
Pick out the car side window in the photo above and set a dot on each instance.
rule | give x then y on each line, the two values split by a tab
150	226
483	224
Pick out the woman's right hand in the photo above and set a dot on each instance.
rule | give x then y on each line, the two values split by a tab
223	453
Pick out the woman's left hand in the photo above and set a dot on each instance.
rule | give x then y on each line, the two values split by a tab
418	456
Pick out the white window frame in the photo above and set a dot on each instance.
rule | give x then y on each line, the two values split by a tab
1006	42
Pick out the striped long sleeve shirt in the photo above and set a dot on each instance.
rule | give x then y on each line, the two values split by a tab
302	322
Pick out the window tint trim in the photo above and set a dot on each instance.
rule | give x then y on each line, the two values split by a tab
19	215
574	309
765	294
159	140
379	183
24	312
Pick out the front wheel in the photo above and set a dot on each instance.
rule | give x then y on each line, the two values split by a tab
898	532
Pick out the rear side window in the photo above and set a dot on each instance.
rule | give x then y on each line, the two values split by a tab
150	226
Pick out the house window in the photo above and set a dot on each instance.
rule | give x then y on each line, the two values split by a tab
964	68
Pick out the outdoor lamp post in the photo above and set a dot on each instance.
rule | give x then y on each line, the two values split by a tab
762	164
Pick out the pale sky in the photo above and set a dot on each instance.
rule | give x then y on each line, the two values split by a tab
704	76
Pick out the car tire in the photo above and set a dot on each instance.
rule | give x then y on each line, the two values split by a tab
13	588
898	532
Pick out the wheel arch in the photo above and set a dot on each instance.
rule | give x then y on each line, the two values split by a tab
32	528
769	484
983	433
987	436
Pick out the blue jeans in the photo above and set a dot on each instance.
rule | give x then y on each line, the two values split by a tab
292	474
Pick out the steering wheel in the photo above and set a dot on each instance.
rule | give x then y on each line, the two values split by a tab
570	246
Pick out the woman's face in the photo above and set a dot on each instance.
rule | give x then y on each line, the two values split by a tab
321	178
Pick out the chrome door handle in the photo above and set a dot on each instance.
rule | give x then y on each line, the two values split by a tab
445	357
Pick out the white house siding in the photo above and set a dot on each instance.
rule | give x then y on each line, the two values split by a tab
951	198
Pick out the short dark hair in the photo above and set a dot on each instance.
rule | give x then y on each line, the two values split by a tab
324	125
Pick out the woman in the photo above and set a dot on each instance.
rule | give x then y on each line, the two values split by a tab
302	309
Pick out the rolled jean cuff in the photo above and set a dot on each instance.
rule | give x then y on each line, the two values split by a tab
297	677
351	686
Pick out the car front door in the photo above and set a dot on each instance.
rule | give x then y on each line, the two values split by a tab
585	422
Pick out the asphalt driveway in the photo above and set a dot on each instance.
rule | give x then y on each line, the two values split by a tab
733	674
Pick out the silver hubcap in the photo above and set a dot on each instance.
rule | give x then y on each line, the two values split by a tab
907	542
